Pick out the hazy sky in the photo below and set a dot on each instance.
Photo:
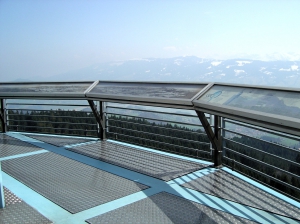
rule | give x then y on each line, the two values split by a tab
49	37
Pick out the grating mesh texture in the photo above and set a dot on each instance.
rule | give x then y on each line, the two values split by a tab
68	183
10	198
156	165
166	208
16	211
59	141
227	186
10	146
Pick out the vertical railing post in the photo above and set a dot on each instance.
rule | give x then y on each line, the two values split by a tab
210	144
102	110
3	116
218	149
2	201
223	126
213	135
97	104
97	110
106	117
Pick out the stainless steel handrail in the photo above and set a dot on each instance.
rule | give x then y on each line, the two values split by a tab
160	127
167	136
154	119
266	153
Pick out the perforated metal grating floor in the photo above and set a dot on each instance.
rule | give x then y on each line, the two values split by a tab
166	208
16	211
227	186
68	183
11	146
156	165
58	141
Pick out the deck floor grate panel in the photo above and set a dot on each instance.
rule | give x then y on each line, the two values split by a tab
17	211
230	187
10	146
72	185
58	141
149	163
166	208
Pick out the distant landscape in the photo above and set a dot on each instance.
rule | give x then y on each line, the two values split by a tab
190	69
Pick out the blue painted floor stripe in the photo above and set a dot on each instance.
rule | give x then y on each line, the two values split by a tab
101	209
35	200
2	199
24	138
62	136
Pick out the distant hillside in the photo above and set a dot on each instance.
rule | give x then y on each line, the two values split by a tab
192	69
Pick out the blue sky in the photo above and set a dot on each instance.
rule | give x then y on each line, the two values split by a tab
50	37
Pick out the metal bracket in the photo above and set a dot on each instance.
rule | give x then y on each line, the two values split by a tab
214	137
100	117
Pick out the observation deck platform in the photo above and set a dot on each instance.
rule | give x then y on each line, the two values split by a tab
63	179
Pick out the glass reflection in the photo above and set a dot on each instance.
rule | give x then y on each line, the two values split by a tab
263	100
181	91
44	88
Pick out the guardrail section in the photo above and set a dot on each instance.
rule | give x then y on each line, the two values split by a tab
174	130
70	117
269	156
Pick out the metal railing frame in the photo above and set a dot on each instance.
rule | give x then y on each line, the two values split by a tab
261	140
260	162
148	133
216	125
234	162
154	119
264	175
153	111
163	143
171	129
266	153
281	134
18	127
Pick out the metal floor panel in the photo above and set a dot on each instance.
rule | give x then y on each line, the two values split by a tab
10	146
72	185
227	186
16	211
152	164
166	208
58	141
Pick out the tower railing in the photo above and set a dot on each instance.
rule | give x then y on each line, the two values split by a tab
269	156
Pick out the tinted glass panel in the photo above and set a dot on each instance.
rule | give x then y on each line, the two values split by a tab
182	91
270	101
45	88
